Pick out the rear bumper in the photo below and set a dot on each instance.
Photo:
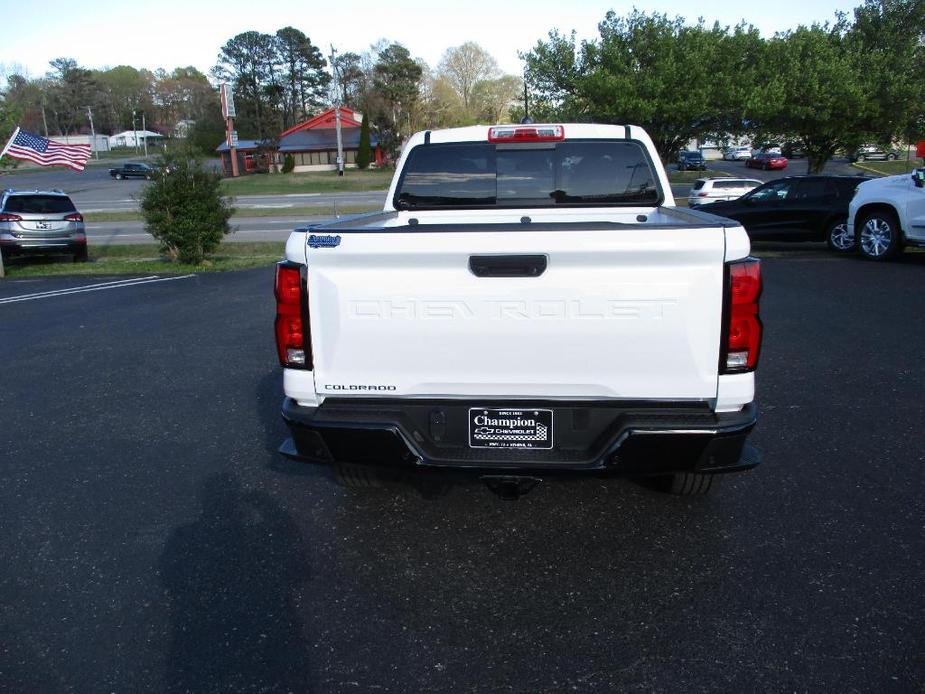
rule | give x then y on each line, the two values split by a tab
595	437
47	244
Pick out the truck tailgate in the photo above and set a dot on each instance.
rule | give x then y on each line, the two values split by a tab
629	313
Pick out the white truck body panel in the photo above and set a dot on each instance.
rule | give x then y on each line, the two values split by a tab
627	314
630	312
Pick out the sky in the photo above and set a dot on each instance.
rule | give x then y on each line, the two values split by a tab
170	33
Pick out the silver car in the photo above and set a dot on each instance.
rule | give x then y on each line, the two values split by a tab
39	221
707	190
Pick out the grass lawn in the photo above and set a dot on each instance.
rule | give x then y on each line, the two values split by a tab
309	182
305	211
889	168
145	260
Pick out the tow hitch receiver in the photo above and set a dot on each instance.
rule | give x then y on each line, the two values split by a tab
510	487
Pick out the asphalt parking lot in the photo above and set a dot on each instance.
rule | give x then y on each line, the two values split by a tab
153	540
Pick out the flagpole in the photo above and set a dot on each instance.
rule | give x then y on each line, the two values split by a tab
12	137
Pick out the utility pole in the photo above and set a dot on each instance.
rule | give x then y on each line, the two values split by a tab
144	133
135	131
340	141
44	120
526	118
92	134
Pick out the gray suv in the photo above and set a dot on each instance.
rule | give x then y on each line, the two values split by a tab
41	222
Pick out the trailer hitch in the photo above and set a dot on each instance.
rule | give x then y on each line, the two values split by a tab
510	487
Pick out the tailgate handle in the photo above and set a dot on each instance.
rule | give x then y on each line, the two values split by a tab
507	265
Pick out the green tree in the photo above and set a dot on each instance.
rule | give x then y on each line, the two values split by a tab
650	70
492	98
72	89
353	79
26	98
248	61
397	85
183	208
9	117
364	153
890	37
122	90
208	133
811	90
303	73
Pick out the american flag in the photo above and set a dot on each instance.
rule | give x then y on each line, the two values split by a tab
45	152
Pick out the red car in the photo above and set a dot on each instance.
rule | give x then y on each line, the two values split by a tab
767	160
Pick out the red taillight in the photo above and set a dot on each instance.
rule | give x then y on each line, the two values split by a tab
743	326
526	133
293	343
7	217
702	195
74	217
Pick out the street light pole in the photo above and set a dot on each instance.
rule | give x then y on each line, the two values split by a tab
340	141
144	133
135	131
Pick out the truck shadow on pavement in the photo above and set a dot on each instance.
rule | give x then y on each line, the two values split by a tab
233	578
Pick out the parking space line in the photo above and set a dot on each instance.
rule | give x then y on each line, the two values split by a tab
118	284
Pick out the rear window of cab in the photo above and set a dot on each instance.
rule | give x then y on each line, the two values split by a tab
567	173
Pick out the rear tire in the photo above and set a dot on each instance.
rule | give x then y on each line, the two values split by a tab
891	157
837	238
353	476
81	255
118	177
878	236
688	483
680	483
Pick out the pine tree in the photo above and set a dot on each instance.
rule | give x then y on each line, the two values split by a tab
364	155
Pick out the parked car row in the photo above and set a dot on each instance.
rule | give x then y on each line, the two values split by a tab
797	150
691	161
795	208
767	161
875	217
874	153
707	190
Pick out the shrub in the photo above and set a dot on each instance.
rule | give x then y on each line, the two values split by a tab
364	156
183	208
288	163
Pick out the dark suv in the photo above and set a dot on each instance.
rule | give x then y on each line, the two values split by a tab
873	152
796	208
691	161
41	222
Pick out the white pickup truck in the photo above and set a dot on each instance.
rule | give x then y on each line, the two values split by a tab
887	214
530	301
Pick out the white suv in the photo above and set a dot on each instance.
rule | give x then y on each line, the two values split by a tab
737	153
706	190
887	214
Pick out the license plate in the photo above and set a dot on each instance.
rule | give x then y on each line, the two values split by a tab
495	428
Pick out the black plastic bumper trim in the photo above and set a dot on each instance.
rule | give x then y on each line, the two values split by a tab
625	438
